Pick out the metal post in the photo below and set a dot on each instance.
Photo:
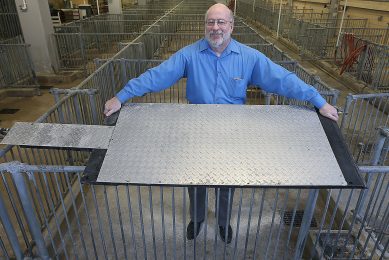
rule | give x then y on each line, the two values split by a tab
341	24
98	7
96	35
386	37
83	56
279	18
267	98
349	99
112	73
362	61
306	223
29	212
379	71
123	70
56	94
382	136
77	109
9	230
91	93
335	97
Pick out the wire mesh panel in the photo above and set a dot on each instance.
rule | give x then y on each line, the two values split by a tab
373	215
364	60
16	68
362	115
9	20
318	37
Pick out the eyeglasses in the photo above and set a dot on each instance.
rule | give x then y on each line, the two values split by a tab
219	22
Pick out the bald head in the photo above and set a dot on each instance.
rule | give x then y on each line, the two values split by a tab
221	10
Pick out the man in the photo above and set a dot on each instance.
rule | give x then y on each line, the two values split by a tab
218	70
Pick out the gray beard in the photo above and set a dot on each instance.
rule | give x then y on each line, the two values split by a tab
214	44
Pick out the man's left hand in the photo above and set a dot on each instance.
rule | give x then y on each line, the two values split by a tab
329	111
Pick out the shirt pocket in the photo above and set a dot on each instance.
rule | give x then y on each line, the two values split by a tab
237	88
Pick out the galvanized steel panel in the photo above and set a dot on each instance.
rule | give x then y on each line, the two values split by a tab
219	145
59	135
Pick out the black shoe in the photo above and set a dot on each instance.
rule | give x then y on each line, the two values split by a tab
190	230
222	232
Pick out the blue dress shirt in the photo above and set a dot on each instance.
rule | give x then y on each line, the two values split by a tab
220	80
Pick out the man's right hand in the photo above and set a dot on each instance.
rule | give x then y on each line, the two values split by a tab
111	106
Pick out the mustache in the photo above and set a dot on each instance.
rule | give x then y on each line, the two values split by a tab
216	33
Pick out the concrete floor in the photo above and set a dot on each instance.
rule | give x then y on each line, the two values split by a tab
30	108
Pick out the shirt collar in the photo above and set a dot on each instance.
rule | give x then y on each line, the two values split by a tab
231	47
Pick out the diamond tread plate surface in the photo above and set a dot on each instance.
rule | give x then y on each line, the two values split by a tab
219	145
59	135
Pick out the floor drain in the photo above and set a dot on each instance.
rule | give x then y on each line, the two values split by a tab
298	218
9	111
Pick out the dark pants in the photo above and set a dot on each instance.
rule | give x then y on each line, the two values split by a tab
224	206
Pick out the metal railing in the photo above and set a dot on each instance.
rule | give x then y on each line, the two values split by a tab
89	221
16	68
77	50
138	222
9	20
365	60
317	37
362	115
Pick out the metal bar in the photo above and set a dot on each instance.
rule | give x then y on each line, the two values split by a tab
184	191
99	221
217	200
10	231
46	221
28	210
18	218
340	227
152	221
228	222
163	223
205	222
259	223
249	222
110	222
195	220
238	222
272	223
353	221
131	222
121	222
174	224
331	223
292	222
280	225
383	228
66	217
306	223
92	101
3	249
141	222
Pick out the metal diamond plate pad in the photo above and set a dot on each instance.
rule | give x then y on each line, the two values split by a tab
59	135
219	145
